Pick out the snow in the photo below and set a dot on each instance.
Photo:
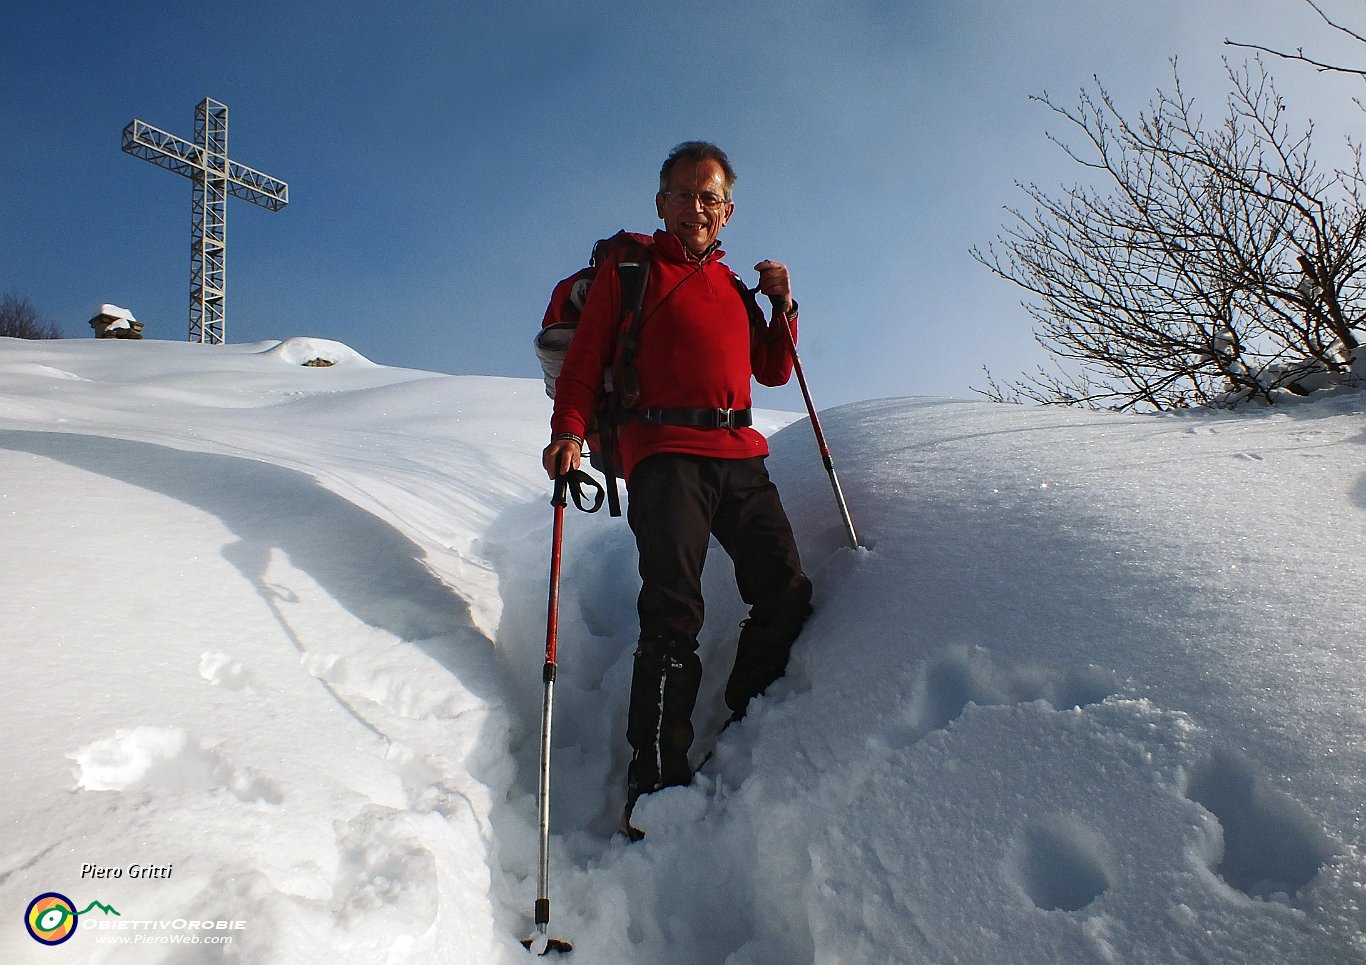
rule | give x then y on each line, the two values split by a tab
114	311
1092	691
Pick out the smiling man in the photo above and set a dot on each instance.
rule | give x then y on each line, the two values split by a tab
694	468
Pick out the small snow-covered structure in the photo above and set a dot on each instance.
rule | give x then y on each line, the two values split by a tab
114	322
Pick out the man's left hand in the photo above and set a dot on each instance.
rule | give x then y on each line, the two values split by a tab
776	283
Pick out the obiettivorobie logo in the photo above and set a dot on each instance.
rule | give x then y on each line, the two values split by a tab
52	918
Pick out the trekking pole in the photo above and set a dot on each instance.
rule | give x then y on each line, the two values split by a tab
816	428
570	482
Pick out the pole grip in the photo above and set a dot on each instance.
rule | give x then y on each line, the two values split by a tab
552	610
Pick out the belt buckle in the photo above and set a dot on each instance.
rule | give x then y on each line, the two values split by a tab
725	418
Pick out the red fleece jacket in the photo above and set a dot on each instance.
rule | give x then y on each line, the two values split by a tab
695	352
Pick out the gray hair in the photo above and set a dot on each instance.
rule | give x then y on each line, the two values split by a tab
696	151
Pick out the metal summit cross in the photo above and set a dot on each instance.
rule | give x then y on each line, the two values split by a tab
205	162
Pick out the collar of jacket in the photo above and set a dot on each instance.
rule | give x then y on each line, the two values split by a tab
671	248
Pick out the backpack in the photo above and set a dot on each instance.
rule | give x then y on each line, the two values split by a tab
562	320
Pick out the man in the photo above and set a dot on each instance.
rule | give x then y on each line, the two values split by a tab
693	466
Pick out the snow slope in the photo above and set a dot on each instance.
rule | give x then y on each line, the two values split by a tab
1092	693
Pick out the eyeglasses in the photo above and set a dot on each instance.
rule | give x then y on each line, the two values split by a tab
688	199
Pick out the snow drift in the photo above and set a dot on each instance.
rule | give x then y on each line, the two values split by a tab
1092	692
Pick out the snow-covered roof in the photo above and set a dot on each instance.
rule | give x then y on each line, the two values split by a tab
113	311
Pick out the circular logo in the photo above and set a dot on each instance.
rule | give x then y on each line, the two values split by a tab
51	918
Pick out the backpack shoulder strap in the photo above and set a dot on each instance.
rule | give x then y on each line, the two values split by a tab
633	273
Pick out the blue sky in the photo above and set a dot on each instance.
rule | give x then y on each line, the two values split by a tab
448	162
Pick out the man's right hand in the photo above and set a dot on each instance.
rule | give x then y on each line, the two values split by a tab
561	456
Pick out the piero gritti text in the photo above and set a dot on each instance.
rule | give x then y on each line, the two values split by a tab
132	871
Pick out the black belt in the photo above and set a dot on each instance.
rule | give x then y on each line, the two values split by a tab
697	418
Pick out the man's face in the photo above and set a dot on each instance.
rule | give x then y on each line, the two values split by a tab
682	206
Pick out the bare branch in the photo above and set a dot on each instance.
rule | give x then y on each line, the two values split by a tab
1299	54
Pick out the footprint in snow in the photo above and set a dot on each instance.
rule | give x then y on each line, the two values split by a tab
164	759
386	877
960	676
1272	846
221	670
1059	863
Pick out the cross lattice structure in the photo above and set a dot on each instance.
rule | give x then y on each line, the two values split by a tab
215	176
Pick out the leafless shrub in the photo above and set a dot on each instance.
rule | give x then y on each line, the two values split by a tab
20	319
1214	262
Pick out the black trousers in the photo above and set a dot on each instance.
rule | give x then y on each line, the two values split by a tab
677	503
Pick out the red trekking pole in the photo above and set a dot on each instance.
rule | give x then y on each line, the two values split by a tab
570	482
816	428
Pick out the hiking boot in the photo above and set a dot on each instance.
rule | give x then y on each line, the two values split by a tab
664	683
761	655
